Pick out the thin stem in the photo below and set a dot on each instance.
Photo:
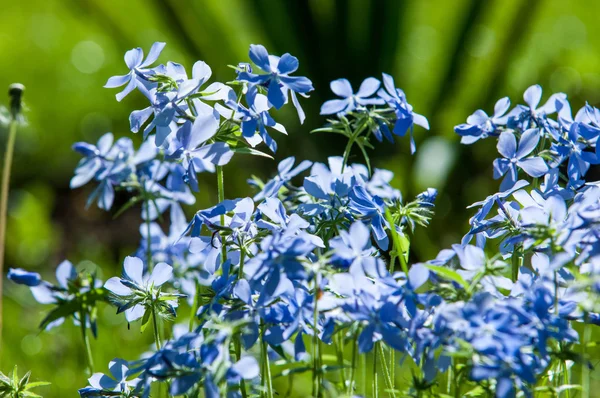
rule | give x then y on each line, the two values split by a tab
566	378
353	369
148	237
238	354
195	306
86	342
221	198
516	259
156	334
347	152
242	259
456	385
393	367
363	368
375	378
8	157
556	292
237	342
315	342
267	367
585	370
339	345
386	371
449	377
351	140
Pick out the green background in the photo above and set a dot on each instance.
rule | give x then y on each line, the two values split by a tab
450	57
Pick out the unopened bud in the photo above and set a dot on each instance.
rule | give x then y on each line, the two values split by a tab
15	92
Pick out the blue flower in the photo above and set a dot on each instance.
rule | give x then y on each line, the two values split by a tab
370	208
517	156
285	172
405	117
138	70
572	148
481	126
533	115
351	101
352	246
256	117
114	385
193	149
277	79
23	277
135	293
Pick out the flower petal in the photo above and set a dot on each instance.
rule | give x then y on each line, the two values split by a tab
162	273
533	95
527	143
507	145
133	57
259	55
134	269
368	87
287	64
341	87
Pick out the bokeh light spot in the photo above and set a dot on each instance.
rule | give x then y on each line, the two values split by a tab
87	56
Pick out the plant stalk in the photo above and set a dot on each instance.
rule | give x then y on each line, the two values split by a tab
156	333
15	92
386	371
86	342
221	198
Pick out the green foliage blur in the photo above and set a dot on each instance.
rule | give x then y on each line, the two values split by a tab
450	56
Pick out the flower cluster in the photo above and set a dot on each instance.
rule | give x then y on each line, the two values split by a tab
319	257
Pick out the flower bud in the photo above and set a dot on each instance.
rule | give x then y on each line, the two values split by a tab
15	92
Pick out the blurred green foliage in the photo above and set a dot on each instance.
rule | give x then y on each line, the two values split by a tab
450	57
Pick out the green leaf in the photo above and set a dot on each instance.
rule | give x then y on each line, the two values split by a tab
24	380
30	394
448	274
15	377
251	151
37	384
476	392
401	246
4	379
146	319
65	309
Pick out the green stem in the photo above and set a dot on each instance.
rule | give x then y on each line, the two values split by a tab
237	342
449	380
375	378
156	333
86	342
221	197
339	345
351	140
517	262
353	369
363	369
456	385
242	259
585	370
148	237
238	354
8	158
347	152
267	368
566	378
393	367
315	341
195	306
386	371
556	292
